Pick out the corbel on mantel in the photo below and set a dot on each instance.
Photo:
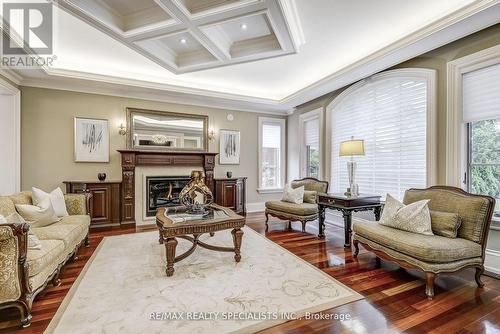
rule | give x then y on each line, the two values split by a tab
133	158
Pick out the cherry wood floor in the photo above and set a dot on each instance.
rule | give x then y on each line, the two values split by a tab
394	298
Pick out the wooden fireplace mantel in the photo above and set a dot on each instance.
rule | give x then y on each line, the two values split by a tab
133	158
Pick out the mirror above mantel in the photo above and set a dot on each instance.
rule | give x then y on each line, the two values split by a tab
166	131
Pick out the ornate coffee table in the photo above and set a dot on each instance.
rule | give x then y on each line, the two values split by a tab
176	223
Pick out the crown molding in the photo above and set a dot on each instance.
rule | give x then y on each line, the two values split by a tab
479	15
468	20
11	75
129	88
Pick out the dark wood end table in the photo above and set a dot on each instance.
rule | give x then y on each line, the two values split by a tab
170	228
347	205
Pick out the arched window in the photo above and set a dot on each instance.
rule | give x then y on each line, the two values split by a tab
393	112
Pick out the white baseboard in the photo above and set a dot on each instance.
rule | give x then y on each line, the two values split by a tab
492	261
256	207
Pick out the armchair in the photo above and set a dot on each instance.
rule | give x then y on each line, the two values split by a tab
307	211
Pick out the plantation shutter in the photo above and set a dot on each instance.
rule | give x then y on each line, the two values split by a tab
481	94
311	133
390	115
271	135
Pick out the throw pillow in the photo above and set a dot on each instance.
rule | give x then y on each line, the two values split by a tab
33	241
414	217
445	224
56	198
310	196
38	216
293	195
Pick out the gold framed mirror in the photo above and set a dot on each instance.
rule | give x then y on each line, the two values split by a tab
166	131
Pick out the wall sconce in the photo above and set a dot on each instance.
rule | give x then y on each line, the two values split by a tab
211	134
123	130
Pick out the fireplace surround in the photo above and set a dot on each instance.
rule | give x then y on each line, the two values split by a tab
133	158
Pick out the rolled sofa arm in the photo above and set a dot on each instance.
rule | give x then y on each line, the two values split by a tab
77	204
13	265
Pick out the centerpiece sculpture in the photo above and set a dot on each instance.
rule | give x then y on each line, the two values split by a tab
196	196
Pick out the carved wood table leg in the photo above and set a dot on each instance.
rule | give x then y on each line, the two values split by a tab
347	214
267	220
170	245
377	212
237	237
321	221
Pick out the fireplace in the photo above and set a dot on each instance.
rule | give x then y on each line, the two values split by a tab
163	191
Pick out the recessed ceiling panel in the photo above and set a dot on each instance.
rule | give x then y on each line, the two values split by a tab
244	36
200	6
191	35
125	15
181	50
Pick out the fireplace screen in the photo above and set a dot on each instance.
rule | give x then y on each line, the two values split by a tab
163	191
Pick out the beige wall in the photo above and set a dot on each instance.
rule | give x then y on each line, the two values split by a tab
47	137
436	59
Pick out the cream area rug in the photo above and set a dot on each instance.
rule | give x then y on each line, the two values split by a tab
124	289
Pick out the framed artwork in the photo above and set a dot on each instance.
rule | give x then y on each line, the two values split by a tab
91	140
229	150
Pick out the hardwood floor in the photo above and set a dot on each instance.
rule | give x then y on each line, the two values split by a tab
394	298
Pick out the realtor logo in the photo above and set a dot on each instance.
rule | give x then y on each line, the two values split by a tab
29	26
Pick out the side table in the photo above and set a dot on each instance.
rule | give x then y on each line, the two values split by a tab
347	205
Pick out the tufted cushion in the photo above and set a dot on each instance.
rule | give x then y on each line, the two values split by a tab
430	248
445	224
471	209
304	209
52	252
7	207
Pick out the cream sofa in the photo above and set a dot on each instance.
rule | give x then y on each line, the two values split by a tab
25	272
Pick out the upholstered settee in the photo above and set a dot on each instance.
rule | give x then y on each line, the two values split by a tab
25	272
434	254
304	212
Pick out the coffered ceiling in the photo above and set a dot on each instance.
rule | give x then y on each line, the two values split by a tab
190	35
252	55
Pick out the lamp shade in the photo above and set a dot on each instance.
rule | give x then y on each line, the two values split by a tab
352	147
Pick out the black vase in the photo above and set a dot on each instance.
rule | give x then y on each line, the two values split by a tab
101	176
229	175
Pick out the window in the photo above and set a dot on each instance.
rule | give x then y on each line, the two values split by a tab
271	154
392	112
481	113
310	149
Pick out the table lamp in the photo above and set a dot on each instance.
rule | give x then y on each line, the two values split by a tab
351	148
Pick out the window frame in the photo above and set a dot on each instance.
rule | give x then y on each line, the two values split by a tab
430	76
282	123
457	138
303	118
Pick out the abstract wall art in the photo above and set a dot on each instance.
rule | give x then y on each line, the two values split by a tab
91	140
229	150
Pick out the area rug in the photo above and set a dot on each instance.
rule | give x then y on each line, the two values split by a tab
124	289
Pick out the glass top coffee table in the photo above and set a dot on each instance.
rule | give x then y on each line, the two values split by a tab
175	222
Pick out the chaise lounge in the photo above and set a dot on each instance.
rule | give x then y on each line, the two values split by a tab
434	254
26	272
